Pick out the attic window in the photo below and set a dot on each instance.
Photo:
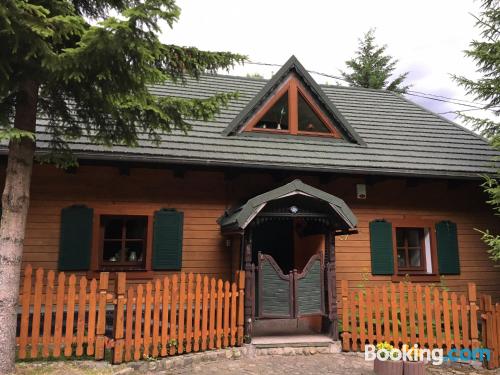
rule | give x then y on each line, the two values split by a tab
292	110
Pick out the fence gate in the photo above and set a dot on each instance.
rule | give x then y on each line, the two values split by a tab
289	296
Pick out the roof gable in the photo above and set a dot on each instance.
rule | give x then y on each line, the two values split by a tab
293	69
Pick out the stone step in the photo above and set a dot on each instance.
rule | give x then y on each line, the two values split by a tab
291	341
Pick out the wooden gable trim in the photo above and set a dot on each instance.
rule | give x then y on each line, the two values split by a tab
250	126
317	110
294	89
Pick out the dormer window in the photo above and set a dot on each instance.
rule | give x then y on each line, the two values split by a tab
292	110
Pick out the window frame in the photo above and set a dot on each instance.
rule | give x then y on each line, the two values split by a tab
422	224
96	265
121	265
423	249
294	89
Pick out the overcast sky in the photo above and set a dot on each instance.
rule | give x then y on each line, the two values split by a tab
427	37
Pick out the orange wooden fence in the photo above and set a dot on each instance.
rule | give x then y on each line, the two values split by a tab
62	316
490	318
403	313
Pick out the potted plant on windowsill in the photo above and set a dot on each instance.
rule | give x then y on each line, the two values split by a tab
386	365
415	364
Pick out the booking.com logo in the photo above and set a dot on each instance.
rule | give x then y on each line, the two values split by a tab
434	356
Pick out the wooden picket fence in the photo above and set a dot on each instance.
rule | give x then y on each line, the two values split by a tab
404	313
65	316
490	328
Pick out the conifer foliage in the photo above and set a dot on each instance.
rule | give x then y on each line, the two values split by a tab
84	67
373	68
486	54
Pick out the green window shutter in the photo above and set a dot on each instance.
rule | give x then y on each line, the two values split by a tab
447	248
167	240
381	247
76	238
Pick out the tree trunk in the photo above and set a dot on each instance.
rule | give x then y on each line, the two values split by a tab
15	202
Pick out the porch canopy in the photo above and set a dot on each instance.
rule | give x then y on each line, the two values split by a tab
238	219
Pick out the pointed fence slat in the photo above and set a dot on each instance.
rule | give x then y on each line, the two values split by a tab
437	318
128	327
226	314
173	315
464	314
411	312
182	310
189	313
147	319
156	319
387	319
23	338
378	319
197	306
165	306
82	309
204	315
61	280
47	321
70	317
456	323
234	311
92	317
428	317
138	323
402	307
100	332
211	328
37	306
220	296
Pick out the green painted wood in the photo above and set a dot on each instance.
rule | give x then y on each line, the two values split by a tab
274	292
308	294
447	248
381	247
167	240
76	238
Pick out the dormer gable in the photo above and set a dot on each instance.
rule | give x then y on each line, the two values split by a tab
292	103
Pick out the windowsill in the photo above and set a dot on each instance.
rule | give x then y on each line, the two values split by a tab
419	278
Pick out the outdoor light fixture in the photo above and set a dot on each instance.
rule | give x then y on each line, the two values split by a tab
294	209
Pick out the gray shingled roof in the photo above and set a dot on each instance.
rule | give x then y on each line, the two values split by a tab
401	137
242	216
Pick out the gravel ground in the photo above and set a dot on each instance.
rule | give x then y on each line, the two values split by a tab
333	364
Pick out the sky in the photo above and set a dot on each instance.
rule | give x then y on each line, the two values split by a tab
428	37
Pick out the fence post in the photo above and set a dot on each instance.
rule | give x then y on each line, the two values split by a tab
241	305
101	316
346	336
472	299
489	339
120	289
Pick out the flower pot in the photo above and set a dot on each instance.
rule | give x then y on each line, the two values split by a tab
413	368
388	367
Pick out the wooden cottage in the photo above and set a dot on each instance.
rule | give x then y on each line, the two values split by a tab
298	184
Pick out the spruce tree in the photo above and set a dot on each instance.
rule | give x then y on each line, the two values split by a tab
486	54
373	68
85	67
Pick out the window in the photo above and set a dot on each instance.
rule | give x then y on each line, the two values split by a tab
413	250
277	117
410	249
123	242
292	110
